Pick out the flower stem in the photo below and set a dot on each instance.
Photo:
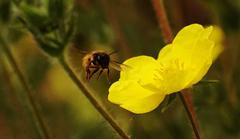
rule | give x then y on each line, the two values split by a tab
33	106
168	37
92	99
162	20
188	105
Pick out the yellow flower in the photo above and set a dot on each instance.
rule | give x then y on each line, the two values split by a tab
181	64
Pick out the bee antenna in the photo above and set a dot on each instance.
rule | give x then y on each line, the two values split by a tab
113	52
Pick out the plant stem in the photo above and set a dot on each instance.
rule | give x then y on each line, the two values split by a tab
168	37
33	106
162	20
92	99
9	88
188	105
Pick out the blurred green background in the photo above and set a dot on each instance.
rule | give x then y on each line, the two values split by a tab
129	26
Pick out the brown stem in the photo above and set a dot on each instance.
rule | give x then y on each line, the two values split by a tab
162	20
186	99
92	99
167	35
33	106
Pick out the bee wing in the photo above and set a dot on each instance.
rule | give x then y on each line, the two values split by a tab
113	52
75	56
118	66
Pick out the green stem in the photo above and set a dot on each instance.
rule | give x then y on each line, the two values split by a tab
33	106
92	99
168	37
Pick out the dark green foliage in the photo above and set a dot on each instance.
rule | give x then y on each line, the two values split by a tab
56	9
5	11
51	28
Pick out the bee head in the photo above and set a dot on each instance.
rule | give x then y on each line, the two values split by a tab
102	59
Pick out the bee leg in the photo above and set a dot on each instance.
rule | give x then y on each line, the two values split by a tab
100	72
90	76
108	75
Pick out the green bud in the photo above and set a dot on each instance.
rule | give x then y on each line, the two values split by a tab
56	9
39	19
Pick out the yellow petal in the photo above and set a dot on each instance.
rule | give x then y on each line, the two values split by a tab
133	97
189	34
217	36
165	54
147	104
125	90
186	43
201	61
136	66
143	69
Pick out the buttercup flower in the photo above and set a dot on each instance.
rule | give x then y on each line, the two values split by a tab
181	64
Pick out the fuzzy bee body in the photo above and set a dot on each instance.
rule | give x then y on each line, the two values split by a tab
94	62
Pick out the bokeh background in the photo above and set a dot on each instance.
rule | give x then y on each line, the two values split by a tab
129	26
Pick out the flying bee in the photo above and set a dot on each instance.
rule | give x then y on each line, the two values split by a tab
99	61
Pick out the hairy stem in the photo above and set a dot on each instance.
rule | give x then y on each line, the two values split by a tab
33	106
92	99
168	37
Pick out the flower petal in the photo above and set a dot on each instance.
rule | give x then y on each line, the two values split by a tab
144	105
133	97
165	54
125	90
186	43
217	36
136	66
144	69
188	34
201	61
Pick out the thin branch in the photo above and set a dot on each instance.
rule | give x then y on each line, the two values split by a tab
162	20
188	104
9	86
33	106
92	99
168	37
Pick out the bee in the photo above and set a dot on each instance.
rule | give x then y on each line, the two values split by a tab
98	61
